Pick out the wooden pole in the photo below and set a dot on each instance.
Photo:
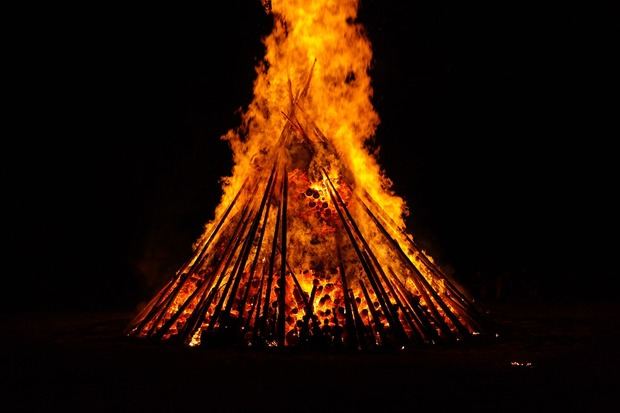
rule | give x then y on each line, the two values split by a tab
349	324
379	328
241	307
257	306
282	296
360	327
272	258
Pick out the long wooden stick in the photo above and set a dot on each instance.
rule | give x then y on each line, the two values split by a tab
303	294
257	306
379	327
348	311
407	300
272	258
360	328
259	245
282	296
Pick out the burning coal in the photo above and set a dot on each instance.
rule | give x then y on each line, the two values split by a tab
308	245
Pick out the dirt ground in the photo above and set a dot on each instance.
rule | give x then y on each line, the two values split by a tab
82	362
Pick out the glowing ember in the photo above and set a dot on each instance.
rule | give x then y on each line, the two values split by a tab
307	246
527	364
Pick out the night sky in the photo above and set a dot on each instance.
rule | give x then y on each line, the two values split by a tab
496	127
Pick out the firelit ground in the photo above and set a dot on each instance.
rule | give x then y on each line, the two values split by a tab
548	357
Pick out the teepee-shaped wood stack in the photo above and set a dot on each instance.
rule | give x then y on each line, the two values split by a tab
303	257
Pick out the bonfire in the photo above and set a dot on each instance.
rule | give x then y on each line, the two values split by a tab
308	246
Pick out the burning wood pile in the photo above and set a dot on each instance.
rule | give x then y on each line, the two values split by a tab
308	247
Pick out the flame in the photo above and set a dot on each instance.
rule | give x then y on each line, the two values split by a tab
313	96
325	35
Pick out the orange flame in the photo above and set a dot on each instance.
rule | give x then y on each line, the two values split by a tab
323	34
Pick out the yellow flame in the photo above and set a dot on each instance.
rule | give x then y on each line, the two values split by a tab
325	34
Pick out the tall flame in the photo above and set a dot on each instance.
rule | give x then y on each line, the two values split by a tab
322	34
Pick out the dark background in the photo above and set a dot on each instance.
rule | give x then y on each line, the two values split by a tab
496	127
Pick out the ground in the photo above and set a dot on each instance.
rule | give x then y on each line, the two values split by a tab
82	362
